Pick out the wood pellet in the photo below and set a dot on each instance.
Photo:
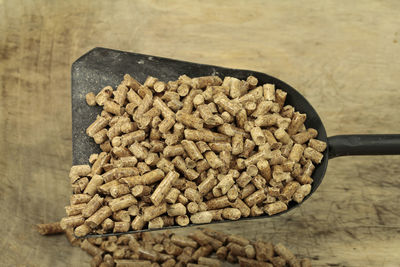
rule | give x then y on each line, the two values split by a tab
190	151
202	247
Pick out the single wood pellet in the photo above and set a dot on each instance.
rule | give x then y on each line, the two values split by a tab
49	228
191	151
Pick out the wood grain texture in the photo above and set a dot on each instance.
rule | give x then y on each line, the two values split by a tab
344	56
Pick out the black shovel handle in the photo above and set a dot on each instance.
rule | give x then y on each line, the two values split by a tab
364	144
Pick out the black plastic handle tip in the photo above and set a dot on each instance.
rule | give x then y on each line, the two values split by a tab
367	144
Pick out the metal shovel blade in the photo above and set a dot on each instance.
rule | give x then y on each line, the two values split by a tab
101	67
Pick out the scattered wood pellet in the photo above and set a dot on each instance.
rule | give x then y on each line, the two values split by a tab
49	228
205	247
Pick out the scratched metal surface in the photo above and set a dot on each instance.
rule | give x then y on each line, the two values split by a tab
343	56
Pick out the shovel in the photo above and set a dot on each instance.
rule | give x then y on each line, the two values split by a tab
101	67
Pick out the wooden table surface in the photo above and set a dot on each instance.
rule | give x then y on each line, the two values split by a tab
344	56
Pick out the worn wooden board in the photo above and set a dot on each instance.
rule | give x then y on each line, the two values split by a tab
343	56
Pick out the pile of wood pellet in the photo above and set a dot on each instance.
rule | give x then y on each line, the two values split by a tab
190	151
200	248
